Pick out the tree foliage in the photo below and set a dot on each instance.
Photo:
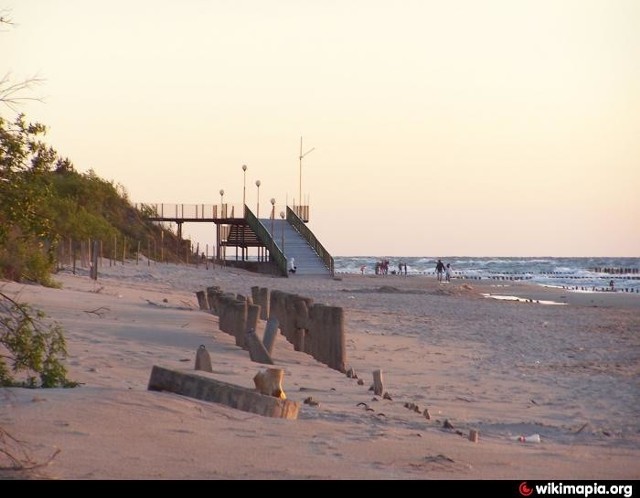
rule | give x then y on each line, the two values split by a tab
44	200
30	348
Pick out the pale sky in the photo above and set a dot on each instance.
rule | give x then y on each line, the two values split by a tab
472	128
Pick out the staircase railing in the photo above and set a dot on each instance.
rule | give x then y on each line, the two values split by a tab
294	220
265	237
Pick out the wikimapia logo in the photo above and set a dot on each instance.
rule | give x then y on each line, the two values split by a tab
586	490
524	489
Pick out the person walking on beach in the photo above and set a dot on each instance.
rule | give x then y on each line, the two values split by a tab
447	272
439	269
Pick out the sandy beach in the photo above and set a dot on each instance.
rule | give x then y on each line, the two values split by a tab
568	372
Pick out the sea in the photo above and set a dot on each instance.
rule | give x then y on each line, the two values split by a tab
579	274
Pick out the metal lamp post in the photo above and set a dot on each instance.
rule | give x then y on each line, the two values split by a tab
221	201
273	209
258	203
282	232
244	186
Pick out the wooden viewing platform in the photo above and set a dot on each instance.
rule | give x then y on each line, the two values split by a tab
237	226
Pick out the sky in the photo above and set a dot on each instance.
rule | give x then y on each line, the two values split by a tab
468	128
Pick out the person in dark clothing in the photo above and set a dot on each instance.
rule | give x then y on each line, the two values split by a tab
439	270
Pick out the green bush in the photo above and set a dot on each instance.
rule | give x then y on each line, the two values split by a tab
32	351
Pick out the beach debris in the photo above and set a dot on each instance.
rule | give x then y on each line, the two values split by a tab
203	359
18	454
269	382
360	382
533	401
378	385
533	438
412	407
351	374
473	435
374	399
583	427
447	424
366	407
439	458
386	395
310	401
98	311
426	414
184	359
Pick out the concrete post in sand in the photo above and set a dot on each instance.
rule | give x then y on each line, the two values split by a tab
255	292
276	307
239	321
325	340
260	296
257	351
213	294
378	385
473	435
312	344
301	321
202	386
202	300
287	321
253	312
203	359
242	297
334	328
270	334
263	300
225	313
269	382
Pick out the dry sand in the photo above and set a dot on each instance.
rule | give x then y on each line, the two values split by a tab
570	373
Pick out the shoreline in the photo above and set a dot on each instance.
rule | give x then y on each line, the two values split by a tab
523	290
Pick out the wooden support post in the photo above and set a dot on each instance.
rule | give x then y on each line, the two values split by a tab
378	385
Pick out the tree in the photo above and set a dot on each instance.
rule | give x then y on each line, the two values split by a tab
13	94
31	347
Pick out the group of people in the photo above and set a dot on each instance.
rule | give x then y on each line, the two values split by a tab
443	271
382	268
